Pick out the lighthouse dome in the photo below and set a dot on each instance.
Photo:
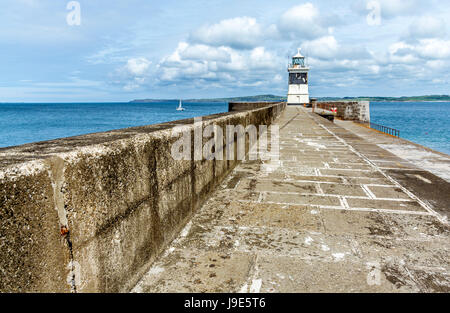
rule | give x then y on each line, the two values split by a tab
298	55
298	60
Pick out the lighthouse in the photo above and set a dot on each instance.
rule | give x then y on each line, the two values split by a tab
298	80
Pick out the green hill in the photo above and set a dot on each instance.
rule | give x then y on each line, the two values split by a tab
387	99
281	98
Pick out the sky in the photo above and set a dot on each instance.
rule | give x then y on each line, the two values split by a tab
117	50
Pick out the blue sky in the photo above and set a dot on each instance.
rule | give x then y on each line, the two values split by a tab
123	50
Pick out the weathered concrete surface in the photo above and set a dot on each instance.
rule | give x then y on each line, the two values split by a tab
324	218
91	213
243	106
351	110
422	157
423	171
33	256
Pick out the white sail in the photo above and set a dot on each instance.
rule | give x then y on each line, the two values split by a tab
180	108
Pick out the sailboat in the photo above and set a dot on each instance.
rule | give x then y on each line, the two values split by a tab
180	108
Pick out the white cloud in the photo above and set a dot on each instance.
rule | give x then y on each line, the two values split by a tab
375	69
239	32
401	52
437	64
302	21
133	75
254	67
339	65
427	27
433	48
198	52
328	48
260	58
325	47
184	62
249	52
391	8
138	66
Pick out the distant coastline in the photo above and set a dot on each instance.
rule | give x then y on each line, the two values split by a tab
435	98
271	98
209	100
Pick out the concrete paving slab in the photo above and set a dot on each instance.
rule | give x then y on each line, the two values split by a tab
274	186
198	271
286	198
385	204
387	192
343	190
284	274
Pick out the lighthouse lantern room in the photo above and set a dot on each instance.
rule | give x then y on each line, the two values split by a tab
298	80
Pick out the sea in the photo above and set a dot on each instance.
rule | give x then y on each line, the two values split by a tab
425	123
30	122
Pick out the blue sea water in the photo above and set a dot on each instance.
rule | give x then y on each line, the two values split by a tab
426	123
30	122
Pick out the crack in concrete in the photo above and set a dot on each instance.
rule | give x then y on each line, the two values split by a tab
56	173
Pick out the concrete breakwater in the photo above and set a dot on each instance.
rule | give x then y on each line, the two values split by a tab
337	212
243	106
91	213
350	110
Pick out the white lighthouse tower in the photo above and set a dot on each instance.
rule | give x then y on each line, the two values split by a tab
298	80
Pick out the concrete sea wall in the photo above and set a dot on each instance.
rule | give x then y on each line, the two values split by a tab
351	110
243	106
91	213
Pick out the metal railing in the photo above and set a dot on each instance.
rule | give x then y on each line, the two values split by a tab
384	129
